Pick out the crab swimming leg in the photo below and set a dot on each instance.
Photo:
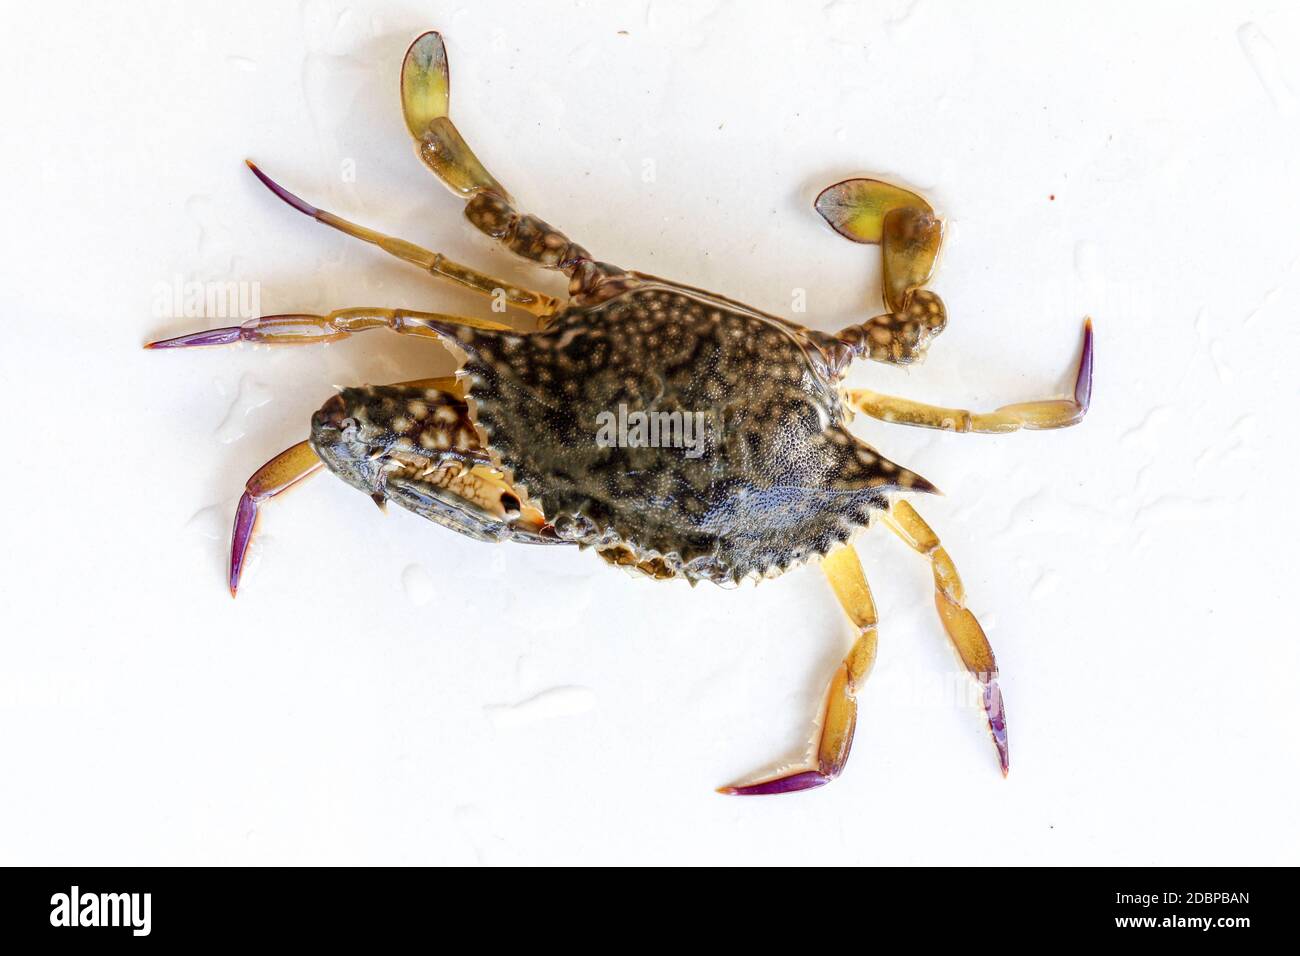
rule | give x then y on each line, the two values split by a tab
425	95
963	629
844	572
278	475
435	263
306	329
1053	413
909	234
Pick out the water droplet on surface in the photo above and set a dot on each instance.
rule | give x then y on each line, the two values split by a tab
1149	426
418	585
1264	303
566	701
210	522
1263	57
251	395
1221	368
1045	586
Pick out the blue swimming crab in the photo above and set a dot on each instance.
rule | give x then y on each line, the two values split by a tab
675	432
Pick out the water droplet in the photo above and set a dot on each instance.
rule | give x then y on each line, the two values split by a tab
1263	58
1046	584
568	701
1150	424
1221	368
1264	303
251	395
210	522
418	585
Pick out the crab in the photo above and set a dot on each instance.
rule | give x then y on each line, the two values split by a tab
738	462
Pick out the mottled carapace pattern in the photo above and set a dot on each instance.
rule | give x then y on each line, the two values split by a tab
416	444
771	479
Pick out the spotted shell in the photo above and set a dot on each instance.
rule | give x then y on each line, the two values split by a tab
740	464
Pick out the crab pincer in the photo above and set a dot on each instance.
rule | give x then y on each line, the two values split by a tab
275	477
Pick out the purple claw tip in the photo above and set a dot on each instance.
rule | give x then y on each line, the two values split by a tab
804	780
1083	382
207	337
926	486
245	519
997	715
284	194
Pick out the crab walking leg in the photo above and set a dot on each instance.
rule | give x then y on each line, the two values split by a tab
844	572
435	263
963	629
305	329
278	475
1056	413
443	383
426	90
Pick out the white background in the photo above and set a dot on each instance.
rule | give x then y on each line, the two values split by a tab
386	691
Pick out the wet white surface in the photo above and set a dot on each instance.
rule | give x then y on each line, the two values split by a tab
385	691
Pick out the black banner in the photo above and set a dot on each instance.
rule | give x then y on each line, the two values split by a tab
136	906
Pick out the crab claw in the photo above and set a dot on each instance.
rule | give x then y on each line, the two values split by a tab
790	783
242	536
304	207
1083	380
997	716
278	475
225	336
